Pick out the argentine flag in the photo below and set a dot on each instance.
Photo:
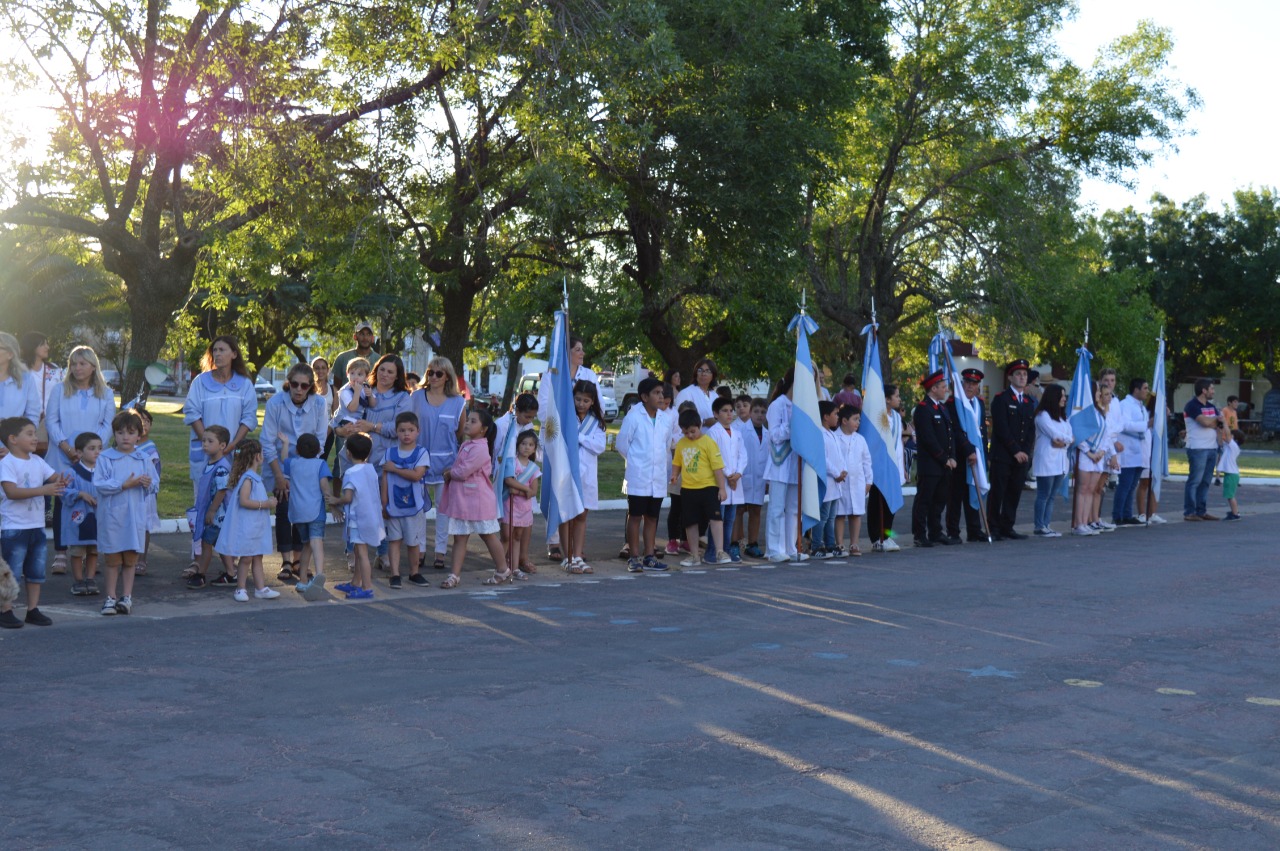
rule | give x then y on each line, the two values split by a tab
876	428
1087	424
967	412
561	499
806	426
1159	426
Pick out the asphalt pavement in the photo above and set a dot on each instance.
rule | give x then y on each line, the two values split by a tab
1110	692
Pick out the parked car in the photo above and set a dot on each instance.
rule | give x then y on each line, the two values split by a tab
265	389
530	381
610	407
112	377
168	387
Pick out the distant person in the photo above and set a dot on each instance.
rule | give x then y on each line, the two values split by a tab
364	339
1203	421
26	480
1230	466
222	394
848	394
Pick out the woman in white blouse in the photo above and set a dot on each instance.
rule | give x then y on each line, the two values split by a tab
1050	460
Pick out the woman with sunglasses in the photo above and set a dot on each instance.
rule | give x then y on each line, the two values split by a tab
702	392
288	416
441	411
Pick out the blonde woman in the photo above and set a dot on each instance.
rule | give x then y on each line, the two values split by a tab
441	410
19	394
82	403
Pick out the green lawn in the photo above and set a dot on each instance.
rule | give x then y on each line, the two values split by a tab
1250	465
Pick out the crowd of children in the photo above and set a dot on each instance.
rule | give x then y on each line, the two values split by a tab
403	452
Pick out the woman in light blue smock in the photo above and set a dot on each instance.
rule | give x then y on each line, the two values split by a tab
287	417
82	403
440	410
19	390
221	395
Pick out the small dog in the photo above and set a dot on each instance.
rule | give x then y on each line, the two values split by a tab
8	585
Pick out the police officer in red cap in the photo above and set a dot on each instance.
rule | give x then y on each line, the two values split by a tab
1013	436
971	382
937	451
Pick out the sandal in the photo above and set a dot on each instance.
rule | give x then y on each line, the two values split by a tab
555	553
450	581
438	564
521	575
574	567
854	551
499	578
193	569
528	567
287	573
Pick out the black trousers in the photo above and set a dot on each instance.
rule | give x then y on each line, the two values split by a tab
958	501
879	517
1007	478
931	500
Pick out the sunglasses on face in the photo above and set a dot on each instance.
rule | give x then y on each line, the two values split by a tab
436	373
299	386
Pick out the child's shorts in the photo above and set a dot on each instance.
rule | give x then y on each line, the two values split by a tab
82	551
25	551
1230	481
644	506
210	534
306	531
411	530
699	507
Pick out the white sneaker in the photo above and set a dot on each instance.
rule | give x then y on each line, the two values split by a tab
109	606
891	546
778	559
1050	533
691	562
1084	531
877	547
800	557
1106	526
1142	518
266	593
241	595
124	605
724	558
1156	520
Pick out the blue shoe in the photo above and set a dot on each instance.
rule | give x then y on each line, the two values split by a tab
754	551
360	594
735	556
345	587
635	565
652	564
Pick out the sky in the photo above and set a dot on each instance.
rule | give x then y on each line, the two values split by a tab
1223	50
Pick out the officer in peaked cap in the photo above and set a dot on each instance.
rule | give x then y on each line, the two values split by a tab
1013	436
935	461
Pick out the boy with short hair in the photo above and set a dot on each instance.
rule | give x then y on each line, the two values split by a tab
79	516
124	477
755	439
361	496
404	498
308	474
644	442
1229	466
824	535
733	453
26	480
700	470
211	509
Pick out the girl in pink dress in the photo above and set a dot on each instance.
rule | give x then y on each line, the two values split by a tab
522	489
468	499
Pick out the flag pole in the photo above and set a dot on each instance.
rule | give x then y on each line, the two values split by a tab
1075	468
799	461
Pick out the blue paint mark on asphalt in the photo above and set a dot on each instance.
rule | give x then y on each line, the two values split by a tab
622	621
904	663
664	629
582	614
550	608
831	655
515	602
764	645
990	671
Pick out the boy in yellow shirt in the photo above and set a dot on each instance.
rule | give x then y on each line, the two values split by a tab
700	468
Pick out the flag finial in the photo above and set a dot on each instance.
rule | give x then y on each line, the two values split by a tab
565	301
1086	330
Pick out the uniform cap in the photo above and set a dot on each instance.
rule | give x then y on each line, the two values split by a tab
1013	366
933	378
972	374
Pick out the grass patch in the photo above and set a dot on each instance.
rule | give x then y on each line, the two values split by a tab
1258	466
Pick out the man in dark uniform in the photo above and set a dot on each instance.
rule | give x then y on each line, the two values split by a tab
1013	436
971	380
935	460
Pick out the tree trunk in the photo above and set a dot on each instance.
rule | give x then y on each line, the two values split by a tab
456	302
155	287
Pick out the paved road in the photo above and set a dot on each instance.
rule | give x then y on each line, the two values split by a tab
1114	692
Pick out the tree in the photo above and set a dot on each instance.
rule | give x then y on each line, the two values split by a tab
699	123
965	151
176	129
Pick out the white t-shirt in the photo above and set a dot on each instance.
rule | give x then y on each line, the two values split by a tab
1230	460
25	473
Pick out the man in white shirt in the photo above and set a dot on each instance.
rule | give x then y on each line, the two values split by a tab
1203	422
1133	416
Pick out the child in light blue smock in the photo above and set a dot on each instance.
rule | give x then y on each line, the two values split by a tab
124	477
246	529
79	515
310	476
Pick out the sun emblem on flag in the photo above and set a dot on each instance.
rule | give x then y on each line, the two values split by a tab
551	428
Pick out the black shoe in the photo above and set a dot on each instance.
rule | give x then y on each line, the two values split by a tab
418	579
38	618
954	539
942	542
1131	521
224	580
395	582
1014	536
8	620
923	542
197	581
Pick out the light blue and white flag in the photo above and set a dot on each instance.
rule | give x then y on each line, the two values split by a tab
806	426
969	414
1087	423
561	500
504	465
876	426
1159	426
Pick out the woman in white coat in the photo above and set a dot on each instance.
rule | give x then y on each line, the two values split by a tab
1051	459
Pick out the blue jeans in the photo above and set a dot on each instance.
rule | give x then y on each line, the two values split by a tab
1126	490
727	512
1195	498
825	534
1046	490
25	551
